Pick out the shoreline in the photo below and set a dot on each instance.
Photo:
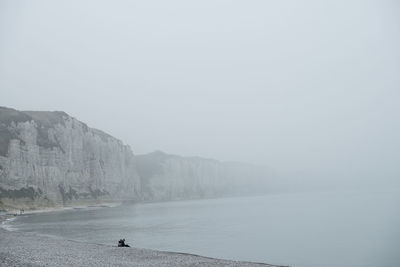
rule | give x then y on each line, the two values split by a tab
34	249
14	213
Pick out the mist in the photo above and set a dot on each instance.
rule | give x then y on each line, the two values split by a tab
309	89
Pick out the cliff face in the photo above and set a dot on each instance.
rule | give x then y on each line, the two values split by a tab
50	158
169	177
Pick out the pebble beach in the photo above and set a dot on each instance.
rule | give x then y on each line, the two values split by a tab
32	249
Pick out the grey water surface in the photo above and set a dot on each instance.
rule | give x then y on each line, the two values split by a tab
354	228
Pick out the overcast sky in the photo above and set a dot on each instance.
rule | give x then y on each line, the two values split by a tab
301	86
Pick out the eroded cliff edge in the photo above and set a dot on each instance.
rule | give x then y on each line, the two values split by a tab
52	159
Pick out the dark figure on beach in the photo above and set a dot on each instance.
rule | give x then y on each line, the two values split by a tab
121	243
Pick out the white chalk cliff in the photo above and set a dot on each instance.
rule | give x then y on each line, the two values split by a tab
52	159
166	177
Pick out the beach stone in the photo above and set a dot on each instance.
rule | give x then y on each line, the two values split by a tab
31	249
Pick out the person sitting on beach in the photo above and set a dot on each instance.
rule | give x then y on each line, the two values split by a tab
121	243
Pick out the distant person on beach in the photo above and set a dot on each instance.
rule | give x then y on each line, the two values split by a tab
121	243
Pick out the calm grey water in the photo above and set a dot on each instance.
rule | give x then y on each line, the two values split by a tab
305	229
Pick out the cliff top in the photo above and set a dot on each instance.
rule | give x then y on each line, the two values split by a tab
44	120
8	115
47	118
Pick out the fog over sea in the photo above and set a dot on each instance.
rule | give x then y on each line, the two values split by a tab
347	228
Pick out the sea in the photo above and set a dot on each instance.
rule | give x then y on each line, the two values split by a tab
341	228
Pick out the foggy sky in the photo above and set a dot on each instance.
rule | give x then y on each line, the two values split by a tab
300	86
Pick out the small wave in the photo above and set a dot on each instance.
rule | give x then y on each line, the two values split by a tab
7	226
